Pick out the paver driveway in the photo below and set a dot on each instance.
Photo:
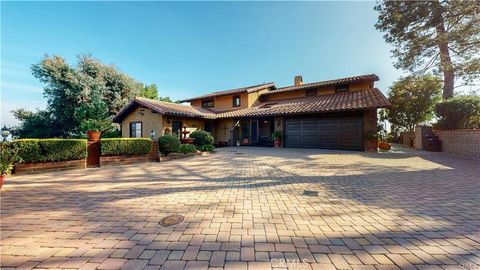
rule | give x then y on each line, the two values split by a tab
255	208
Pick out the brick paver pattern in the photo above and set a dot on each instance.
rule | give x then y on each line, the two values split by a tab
250	208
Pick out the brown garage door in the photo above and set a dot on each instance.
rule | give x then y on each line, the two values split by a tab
327	132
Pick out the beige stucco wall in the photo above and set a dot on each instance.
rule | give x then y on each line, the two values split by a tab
253	97
157	122
192	123
149	121
320	91
360	86
284	95
223	130
224	103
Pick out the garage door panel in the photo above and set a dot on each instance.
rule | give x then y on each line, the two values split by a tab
332	133
292	141
309	141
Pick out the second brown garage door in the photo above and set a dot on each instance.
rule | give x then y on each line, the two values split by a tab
327	132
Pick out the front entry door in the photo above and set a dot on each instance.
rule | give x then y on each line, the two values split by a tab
176	128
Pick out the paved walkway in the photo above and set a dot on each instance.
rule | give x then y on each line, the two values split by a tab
252	208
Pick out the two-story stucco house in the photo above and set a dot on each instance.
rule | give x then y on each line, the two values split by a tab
333	114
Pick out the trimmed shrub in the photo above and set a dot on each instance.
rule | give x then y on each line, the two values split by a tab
187	148
206	148
8	157
63	149
168	144
459	112
29	150
201	137
125	146
42	150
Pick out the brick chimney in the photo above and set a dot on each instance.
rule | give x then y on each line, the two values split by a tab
298	80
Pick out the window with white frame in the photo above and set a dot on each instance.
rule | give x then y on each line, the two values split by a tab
135	129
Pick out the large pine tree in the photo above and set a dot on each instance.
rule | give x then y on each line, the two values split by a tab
443	36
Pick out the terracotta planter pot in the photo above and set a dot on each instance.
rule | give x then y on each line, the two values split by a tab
277	143
384	146
93	135
2	179
372	145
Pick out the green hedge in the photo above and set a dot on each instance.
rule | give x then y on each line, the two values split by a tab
459	112
187	148
125	146
168	144
43	150
201	137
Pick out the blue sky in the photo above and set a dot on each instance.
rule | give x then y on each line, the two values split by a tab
191	48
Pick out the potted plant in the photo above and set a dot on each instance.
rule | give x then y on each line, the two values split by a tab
95	127
276	137
384	138
8	157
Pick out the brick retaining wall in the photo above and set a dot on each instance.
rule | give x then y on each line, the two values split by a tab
460	142
38	167
122	160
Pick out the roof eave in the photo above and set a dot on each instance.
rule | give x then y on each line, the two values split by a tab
247	90
307	113
371	77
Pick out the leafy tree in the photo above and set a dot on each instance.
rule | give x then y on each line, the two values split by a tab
443	36
63	91
165	99
413	99
459	112
39	124
149	91
94	114
90	90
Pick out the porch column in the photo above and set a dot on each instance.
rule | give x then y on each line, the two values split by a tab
278	126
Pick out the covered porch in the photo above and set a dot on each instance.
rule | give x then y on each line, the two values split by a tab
253	131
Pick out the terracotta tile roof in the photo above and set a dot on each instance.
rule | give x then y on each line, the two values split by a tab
370	77
346	101
166	108
248	89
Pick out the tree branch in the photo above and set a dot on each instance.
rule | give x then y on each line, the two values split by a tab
429	64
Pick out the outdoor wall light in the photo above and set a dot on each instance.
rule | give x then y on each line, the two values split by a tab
152	134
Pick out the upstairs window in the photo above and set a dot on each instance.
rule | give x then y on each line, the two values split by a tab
236	101
311	92
135	129
207	103
341	88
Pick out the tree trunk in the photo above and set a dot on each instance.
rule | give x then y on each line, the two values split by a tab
445	60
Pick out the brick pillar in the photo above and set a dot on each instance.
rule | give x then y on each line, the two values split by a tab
370	125
278	126
153	155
